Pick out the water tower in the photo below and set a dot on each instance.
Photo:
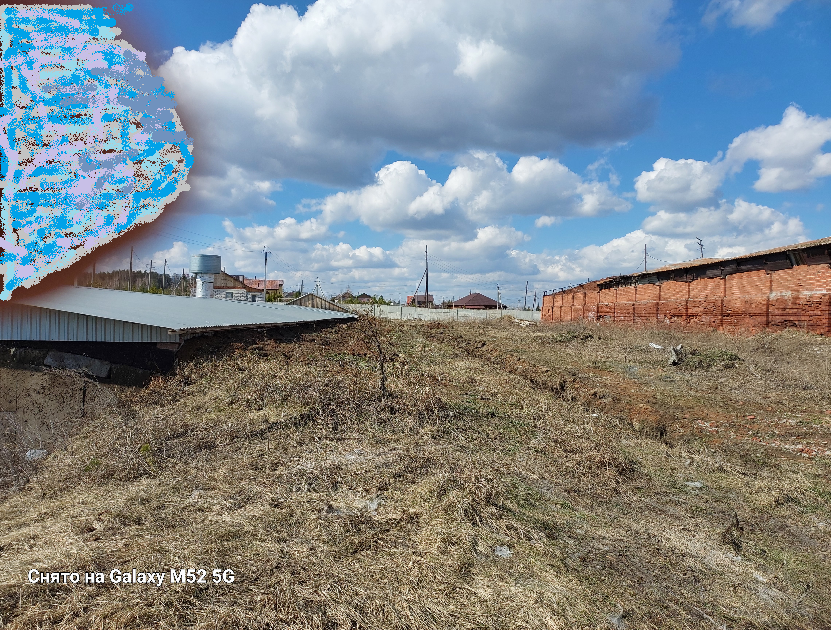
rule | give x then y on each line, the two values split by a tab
204	266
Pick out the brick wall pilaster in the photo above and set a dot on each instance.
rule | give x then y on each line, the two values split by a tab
798	297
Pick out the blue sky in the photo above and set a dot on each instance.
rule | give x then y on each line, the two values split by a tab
516	140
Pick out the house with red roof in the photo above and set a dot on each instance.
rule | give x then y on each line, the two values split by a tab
476	300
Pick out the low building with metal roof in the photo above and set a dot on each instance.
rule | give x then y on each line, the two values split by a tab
816	252
784	287
318	302
104	315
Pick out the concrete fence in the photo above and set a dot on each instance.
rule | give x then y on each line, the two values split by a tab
439	314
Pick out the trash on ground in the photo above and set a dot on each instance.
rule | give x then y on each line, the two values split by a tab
502	552
34	454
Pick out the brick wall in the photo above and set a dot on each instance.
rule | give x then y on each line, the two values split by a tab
798	297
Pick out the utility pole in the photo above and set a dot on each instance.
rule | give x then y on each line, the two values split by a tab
498	300
426	281
526	296
149	272
644	256
301	287
130	278
265	279
700	246
183	282
164	271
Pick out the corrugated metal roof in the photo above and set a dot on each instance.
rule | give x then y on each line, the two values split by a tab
816	252
315	301
174	313
698	262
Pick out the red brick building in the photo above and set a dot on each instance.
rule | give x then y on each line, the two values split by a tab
775	289
420	300
272	286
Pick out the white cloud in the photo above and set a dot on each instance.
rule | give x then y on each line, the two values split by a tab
344	256
296	254
285	231
403	198
485	188
481	253
727	230
789	154
547	221
322	96
177	256
741	219
489	258
618	256
679	183
755	15
235	191
475	58
478	191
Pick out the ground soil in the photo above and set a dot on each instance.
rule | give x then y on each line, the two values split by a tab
389	474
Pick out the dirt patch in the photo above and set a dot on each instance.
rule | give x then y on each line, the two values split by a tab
39	411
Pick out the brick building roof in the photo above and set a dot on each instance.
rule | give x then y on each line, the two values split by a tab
223	280
271	285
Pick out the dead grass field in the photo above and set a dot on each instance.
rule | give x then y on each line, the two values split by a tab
559	476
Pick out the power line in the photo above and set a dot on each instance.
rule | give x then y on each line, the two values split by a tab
659	260
479	278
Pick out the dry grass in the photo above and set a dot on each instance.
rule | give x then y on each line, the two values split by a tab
629	493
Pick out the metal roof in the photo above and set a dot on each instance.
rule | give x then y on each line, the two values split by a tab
808	253
315	301
698	262
84	313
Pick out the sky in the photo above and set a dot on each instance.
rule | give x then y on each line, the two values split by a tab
519	142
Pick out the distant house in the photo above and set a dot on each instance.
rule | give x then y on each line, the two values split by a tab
272	286
476	300
420	300
230	287
364	298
